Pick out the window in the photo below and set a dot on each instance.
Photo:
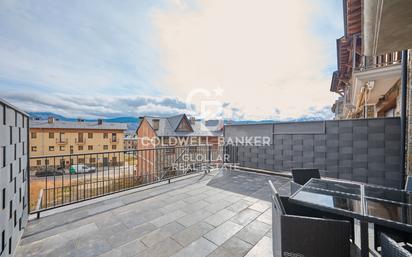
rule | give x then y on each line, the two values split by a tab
33	135
105	147
105	135
80	137
38	162
92	160
34	148
80	161
51	135
51	148
89	135
90	147
47	161
80	148
61	137
62	148
114	138
113	147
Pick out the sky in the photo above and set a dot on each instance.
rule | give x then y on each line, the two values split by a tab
236	59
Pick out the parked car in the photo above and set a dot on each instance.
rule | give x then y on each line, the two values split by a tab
81	168
49	171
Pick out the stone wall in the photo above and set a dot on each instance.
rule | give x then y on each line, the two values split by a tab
13	177
365	150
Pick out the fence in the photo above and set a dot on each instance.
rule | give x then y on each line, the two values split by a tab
364	150
13	176
68	179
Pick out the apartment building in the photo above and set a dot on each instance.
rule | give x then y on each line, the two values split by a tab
368	83
179	130
53	137
375	65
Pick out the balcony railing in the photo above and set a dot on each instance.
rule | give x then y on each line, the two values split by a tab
61	141
373	62
68	179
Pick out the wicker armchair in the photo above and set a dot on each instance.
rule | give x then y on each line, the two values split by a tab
307	236
391	249
408	185
301	176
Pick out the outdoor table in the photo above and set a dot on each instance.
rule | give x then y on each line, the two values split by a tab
387	207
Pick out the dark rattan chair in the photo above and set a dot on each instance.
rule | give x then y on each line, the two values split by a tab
301	176
408	185
307	236
390	248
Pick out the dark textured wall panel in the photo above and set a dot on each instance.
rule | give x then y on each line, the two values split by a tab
13	182
366	150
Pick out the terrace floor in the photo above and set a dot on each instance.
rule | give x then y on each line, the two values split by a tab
223	213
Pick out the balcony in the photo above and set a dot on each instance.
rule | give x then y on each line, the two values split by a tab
62	141
376	62
222	212
157	202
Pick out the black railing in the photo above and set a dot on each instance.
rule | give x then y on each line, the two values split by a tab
61	180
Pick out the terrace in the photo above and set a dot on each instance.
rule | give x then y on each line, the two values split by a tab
171	202
221	213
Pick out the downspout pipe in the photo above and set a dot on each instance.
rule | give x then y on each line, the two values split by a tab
404	81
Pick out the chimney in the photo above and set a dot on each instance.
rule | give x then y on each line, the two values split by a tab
192	120
99	122
50	120
155	124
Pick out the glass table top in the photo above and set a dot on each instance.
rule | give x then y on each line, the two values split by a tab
374	202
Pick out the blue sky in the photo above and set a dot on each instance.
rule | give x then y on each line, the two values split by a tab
117	58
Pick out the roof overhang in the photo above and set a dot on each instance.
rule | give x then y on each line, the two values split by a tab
387	26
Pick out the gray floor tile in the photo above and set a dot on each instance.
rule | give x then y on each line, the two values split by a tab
262	249
221	252
253	232
266	217
198	248
192	233
164	248
236	246
245	217
223	232
91	245
220	217
167	218
260	206
128	235
162	233
127	250
194	217
239	206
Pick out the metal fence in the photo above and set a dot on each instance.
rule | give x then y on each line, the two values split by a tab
61	180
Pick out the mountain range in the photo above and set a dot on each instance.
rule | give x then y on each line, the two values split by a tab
133	121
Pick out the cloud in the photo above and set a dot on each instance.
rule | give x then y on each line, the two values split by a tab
262	53
85	46
98	106
255	59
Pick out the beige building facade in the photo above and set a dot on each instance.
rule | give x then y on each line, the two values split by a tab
74	142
